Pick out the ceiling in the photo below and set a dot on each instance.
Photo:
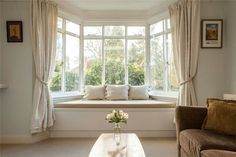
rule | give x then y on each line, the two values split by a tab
112	5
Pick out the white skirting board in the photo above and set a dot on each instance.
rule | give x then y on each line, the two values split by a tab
23	139
229	96
85	122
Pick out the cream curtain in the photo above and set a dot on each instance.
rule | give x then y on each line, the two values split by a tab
44	34
185	25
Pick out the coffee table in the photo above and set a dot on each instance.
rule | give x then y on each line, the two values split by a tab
106	146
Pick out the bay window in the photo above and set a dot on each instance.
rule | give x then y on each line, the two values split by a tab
113	54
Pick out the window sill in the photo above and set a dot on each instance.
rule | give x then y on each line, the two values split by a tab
170	97
69	96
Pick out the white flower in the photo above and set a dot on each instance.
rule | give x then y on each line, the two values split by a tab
117	116
121	112
126	116
108	116
112	115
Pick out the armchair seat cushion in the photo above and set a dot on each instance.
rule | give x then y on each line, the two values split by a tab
196	140
217	153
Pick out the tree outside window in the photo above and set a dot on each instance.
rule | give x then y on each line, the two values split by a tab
113	55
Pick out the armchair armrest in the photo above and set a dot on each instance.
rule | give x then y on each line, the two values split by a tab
189	117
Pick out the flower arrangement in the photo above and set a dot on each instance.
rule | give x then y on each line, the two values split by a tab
117	116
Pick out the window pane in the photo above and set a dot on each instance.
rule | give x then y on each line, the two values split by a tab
136	61
114	61
93	62
55	84
168	23
72	27
92	30
114	30
173	84
156	28
157	63
59	22
72	63
136	31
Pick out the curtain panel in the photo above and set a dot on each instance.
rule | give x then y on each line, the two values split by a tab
185	27
44	34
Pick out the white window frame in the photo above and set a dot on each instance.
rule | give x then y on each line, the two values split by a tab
165	92
126	37
147	67
63	94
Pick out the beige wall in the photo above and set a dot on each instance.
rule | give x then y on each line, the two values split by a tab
16	72
0	75
210	79
230	59
217	67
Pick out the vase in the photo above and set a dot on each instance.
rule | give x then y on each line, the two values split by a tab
117	133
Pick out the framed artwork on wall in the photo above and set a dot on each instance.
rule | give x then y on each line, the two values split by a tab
211	33
14	31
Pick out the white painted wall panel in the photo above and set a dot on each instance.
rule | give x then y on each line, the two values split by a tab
140	120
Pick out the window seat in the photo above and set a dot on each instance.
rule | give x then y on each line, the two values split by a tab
86	118
115	104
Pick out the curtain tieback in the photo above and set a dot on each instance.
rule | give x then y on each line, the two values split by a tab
40	80
186	81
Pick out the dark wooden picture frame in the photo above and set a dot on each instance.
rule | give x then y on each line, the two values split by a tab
14	31
212	33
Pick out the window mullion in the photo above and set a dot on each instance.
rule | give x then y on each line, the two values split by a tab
72	34
92	37
157	34
103	59
148	54
113	37
126	58
63	82
81	68
165	57
135	37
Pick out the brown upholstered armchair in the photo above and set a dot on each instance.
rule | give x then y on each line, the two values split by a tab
188	118
196	142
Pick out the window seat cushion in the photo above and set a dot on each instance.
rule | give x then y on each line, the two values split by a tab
115	104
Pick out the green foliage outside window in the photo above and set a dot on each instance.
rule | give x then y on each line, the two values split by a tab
93	74
55	84
136	74
72	79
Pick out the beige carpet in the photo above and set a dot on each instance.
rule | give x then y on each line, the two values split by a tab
80	147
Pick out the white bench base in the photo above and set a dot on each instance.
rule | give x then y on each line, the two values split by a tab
90	122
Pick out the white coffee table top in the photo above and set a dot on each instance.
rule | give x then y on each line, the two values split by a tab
105	146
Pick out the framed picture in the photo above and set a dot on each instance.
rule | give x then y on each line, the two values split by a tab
14	31
212	33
